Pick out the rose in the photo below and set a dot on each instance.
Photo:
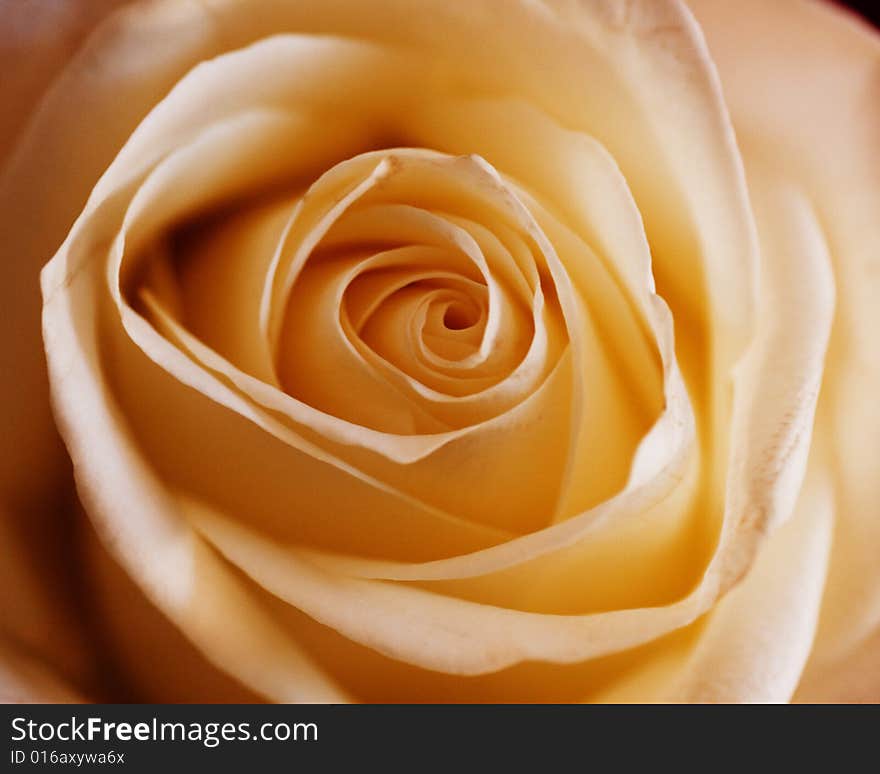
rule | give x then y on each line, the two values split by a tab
452	355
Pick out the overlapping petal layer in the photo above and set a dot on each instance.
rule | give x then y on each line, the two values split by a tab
469	363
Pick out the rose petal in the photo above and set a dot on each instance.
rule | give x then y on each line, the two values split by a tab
759	636
24	680
802	82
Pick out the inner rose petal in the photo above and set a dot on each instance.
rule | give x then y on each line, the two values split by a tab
390	180
468	236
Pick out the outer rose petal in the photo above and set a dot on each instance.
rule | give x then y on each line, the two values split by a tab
803	83
755	642
758	637
24	680
36	41
33	231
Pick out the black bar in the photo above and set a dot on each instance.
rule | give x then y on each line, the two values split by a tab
417	738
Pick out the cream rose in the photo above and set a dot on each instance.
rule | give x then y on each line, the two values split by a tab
486	351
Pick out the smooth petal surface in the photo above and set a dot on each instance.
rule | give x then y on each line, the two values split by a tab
759	637
803	83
